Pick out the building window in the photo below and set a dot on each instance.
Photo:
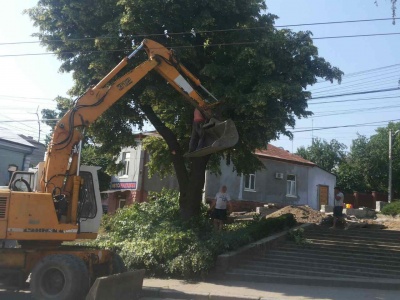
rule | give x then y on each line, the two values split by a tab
291	185
121	203
126	157
250	182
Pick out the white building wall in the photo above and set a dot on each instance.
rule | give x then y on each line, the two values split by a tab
317	177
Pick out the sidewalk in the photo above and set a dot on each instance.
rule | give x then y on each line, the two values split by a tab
238	290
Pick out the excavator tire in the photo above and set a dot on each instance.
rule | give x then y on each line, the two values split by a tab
61	277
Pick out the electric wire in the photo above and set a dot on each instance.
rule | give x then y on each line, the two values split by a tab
193	46
204	31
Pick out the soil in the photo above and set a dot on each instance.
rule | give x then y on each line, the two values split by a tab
302	214
305	214
390	223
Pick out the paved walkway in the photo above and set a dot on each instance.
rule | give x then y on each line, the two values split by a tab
230	290
239	290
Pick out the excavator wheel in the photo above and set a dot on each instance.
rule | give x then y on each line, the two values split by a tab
61	277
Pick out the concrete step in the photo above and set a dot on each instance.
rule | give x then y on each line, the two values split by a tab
355	231
355	269
350	246
367	239
289	256
310	271
335	251
356	258
288	272
341	249
364	283
354	235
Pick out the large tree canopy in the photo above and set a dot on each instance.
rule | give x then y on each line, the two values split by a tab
259	73
326	155
367	165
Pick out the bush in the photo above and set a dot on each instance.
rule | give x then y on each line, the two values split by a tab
152	236
392	209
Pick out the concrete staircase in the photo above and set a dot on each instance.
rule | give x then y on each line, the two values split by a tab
357	258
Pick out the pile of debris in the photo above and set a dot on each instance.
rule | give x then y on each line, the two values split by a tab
302	214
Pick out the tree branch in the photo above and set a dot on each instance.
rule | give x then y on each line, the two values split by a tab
173	145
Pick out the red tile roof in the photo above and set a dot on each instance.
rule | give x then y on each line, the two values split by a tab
276	153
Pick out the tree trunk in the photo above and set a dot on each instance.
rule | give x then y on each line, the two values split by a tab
190	200
190	183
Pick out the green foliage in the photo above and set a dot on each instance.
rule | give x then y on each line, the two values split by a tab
160	162
297	236
326	155
365	168
152	236
391	209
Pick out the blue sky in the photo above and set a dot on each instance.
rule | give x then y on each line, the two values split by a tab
350	55
32	81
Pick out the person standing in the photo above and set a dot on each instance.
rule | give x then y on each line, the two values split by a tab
197	136
338	208
221	206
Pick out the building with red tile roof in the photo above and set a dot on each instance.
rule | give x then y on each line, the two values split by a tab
281	154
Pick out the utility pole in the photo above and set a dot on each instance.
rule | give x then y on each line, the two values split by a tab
391	136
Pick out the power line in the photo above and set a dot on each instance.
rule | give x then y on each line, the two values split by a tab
21	97
202	31
344	126
361	73
354	100
345	84
193	46
357	93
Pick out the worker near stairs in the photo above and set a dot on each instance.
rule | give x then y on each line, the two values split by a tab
338	208
221	207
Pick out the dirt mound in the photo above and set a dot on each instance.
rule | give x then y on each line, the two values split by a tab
302	214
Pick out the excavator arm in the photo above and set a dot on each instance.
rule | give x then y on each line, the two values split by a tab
62	160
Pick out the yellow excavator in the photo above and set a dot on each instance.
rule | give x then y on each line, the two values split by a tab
60	200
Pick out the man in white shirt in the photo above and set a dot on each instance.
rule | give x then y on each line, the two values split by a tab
338	208
221	207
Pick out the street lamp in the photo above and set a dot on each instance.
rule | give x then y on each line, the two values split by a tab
391	136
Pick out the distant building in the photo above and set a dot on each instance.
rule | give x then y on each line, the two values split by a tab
38	153
17	154
286	179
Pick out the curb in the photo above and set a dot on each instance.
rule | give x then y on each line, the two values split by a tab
173	294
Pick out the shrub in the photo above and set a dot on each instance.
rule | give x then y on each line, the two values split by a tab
391	209
152	236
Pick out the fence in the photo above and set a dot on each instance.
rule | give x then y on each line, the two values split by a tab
364	199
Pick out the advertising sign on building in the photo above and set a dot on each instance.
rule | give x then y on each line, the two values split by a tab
123	185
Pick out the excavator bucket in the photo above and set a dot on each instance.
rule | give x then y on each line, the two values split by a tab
217	136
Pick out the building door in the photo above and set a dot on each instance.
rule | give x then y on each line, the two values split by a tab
323	195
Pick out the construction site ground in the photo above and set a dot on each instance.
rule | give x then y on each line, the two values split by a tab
305	214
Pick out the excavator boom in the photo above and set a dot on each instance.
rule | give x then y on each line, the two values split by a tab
62	153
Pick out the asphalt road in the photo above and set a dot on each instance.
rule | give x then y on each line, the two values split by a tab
15	295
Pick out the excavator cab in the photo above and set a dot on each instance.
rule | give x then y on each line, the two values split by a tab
216	136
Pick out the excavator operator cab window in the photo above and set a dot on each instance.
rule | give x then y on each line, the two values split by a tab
21	181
